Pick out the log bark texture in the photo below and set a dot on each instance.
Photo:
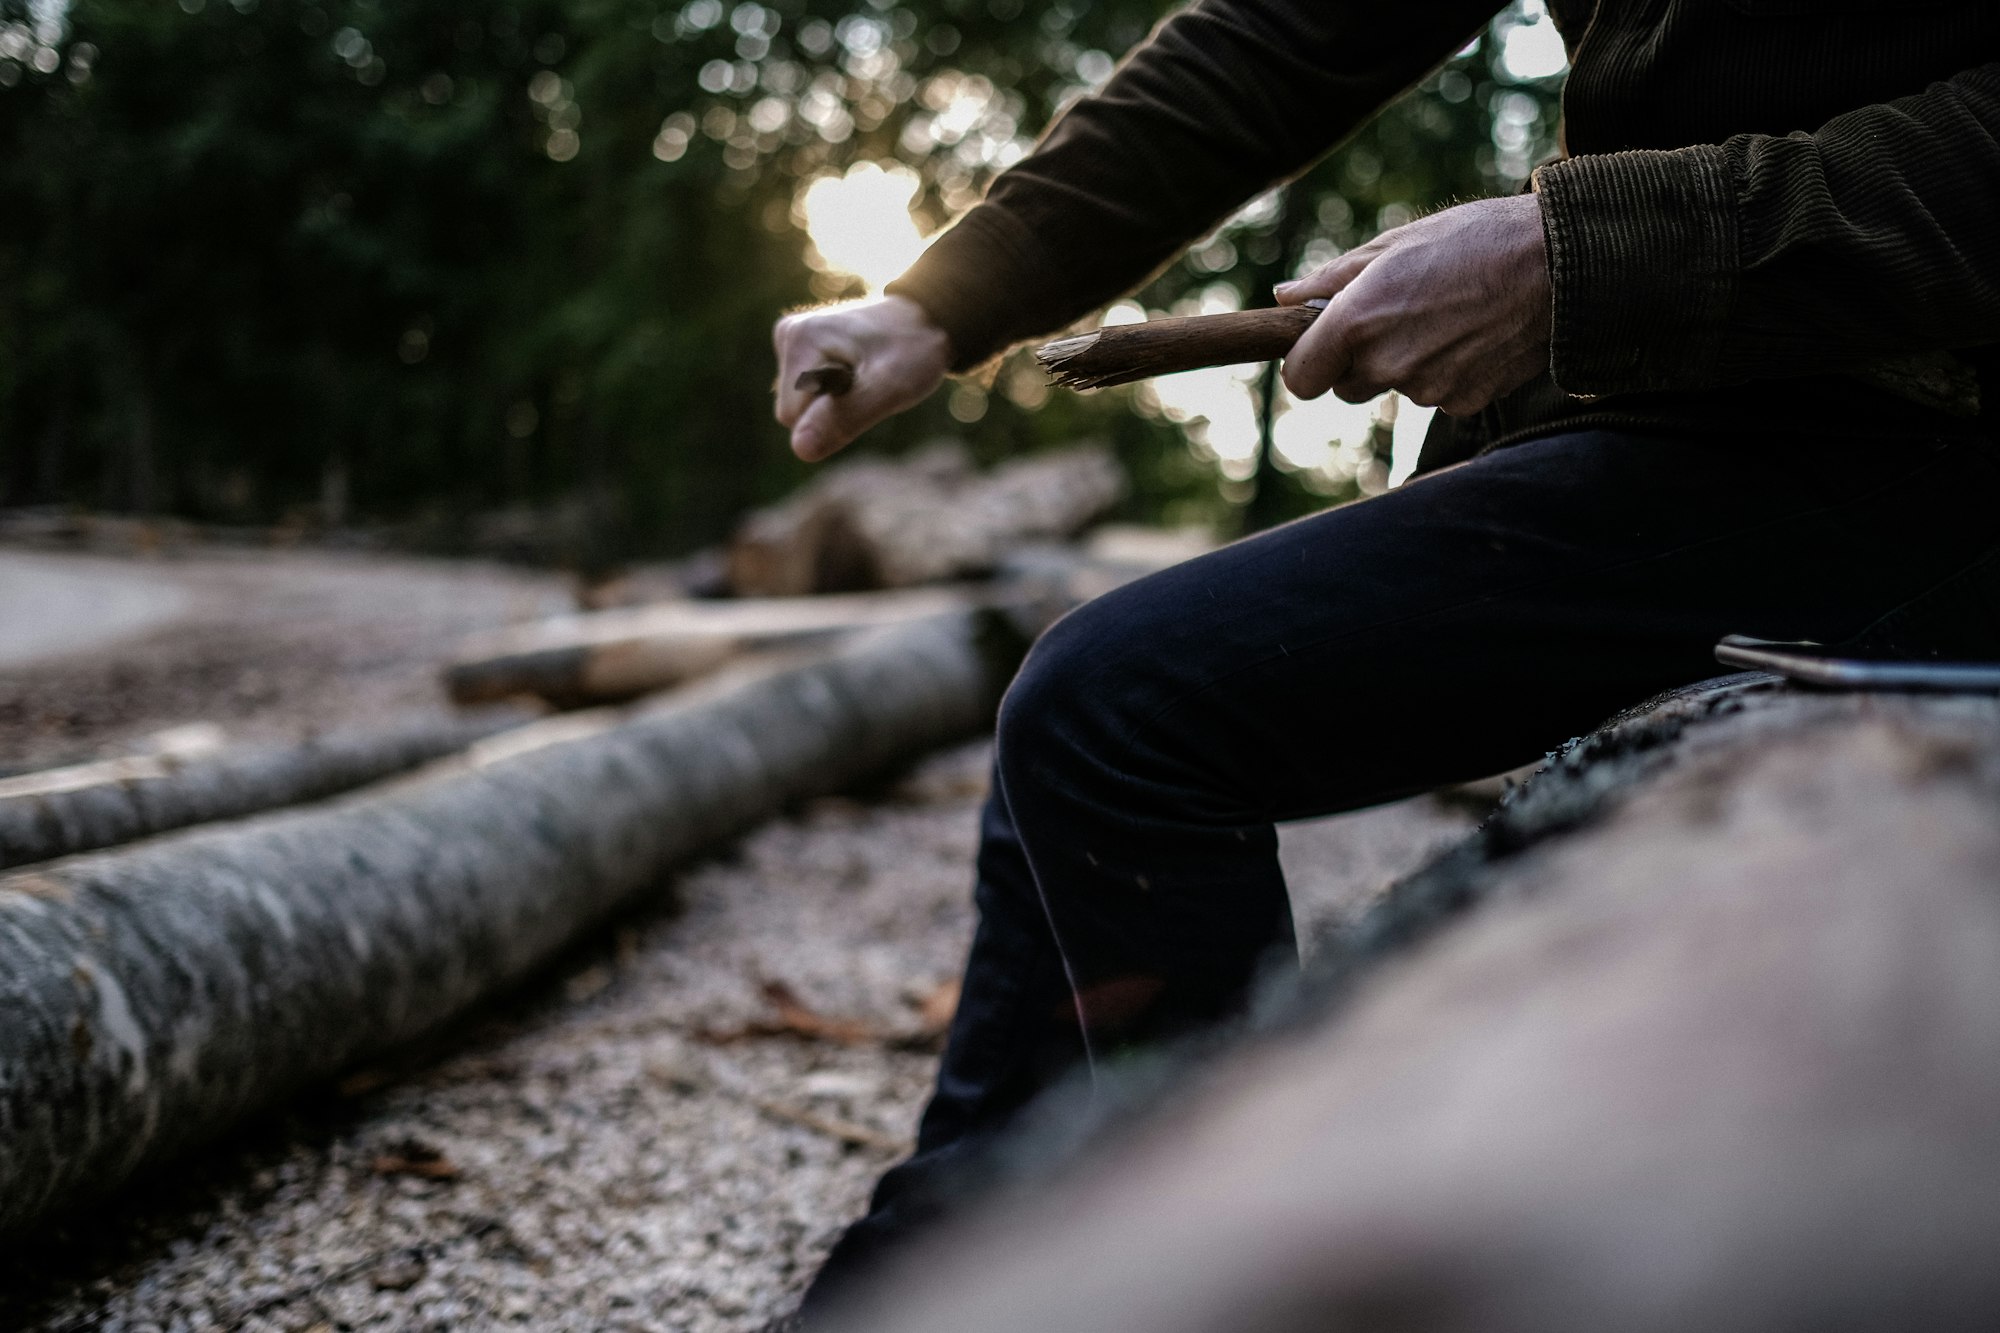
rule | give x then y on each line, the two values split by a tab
609	656
889	524
58	812
1709	1038
154	995
1124	353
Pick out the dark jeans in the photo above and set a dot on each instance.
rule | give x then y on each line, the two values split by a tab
1128	882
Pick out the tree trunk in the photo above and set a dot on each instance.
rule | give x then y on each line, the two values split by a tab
156	994
57	812
1717	1047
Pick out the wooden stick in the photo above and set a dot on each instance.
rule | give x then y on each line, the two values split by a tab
1127	352
832	379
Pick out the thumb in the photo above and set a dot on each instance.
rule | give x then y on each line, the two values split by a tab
817	434
830	422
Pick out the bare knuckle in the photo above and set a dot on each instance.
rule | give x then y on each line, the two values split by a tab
1376	365
1400	367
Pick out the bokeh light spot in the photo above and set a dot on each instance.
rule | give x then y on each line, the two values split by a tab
860	223
1530	46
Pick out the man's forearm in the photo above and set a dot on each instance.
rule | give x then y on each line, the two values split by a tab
1227	97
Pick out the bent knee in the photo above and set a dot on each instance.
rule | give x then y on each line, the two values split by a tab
1066	688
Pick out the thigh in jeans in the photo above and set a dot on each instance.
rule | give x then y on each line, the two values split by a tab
1459	626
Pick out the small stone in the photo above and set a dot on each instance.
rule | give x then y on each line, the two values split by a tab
398	1275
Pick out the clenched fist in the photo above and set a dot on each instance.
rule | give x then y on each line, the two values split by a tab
897	355
1451	310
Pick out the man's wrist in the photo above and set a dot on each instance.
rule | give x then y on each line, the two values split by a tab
970	284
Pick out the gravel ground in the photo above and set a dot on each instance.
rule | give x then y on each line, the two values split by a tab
663	1132
267	643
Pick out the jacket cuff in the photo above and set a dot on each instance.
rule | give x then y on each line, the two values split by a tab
1643	264
971	279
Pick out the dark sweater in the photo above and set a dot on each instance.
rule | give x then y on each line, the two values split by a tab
1753	188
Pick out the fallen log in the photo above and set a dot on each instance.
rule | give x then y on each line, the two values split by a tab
82	807
610	656
876	523
1708	1038
157	994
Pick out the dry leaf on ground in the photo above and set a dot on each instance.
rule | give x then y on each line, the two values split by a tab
408	1157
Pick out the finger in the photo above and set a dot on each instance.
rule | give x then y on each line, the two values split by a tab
828	424
1330	278
790	401
803	351
1321	356
1379	364
817	434
1361	387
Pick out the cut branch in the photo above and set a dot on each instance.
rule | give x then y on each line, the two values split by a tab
1123	353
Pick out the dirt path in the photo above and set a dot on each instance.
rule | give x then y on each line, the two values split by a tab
634	1142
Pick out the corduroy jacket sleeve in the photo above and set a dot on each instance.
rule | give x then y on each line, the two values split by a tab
1227	97
1764	256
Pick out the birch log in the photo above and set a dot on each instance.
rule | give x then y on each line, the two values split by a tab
61	811
1716	1046
154	995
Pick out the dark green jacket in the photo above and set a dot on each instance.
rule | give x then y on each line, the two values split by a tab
1753	189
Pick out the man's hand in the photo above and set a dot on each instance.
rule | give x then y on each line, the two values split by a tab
1451	310
897	355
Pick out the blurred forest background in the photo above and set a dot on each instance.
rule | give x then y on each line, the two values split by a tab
443	265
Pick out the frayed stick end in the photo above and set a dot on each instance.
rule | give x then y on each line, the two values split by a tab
1055	358
1068	362
1128	352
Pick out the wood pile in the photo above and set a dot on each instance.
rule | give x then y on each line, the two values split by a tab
1702	1031
895	523
309	915
871	542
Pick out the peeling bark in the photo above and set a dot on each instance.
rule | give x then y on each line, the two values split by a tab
156	994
